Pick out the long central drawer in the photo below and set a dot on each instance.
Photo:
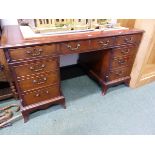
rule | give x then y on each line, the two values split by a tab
74	47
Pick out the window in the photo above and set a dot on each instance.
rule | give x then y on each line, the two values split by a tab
86	21
40	21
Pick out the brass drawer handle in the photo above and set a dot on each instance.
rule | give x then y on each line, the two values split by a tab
40	80
119	73
1	68
37	67
128	39
46	92
73	48
125	51
106	77
34	52
121	61
37	95
104	43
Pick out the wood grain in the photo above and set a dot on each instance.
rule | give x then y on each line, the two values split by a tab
143	70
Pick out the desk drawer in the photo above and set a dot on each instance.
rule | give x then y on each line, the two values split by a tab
128	39
38	81
124	51
74	47
118	62
31	52
102	43
36	67
117	74
41	95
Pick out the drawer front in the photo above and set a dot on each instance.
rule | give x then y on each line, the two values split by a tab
102	43
31	52
128	39
36	67
41	95
38	81
118	62
124	51
74	47
117	74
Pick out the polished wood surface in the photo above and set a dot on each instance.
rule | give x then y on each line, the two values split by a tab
124	51
12	37
107	56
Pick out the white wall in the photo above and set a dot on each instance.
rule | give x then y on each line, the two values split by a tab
9	22
64	60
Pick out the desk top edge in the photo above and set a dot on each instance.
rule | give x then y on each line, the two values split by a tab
12	37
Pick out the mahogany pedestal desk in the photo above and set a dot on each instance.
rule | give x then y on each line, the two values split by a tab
107	56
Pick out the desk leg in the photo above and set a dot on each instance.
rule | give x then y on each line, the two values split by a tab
127	82
63	104
25	116
27	110
104	89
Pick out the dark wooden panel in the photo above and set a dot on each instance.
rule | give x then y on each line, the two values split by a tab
124	51
71	71
5	91
40	95
36	67
102	43
118	73
74	47
118	62
38	81
128	39
32	52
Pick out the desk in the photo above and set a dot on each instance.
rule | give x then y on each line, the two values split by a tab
34	63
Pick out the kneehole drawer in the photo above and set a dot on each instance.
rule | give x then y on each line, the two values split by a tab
74	46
